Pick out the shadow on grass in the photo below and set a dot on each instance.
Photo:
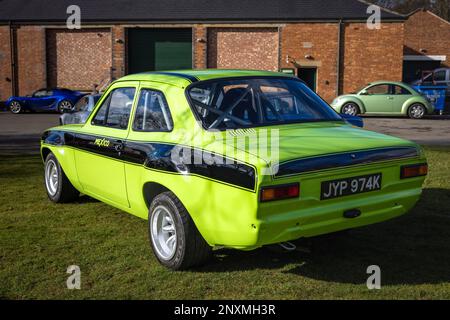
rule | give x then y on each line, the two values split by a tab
85	199
413	249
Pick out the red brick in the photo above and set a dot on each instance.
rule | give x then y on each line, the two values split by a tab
424	30
243	48
78	59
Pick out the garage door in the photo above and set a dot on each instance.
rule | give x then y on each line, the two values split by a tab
78	59
243	48
159	49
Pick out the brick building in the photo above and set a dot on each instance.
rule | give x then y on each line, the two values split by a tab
427	44
325	42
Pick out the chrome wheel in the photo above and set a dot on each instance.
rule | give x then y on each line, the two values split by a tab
15	107
51	177
417	111
163	233
350	109
65	105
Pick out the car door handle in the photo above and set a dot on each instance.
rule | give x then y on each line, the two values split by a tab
390	98
119	146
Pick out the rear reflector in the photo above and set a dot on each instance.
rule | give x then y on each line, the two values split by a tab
417	170
280	192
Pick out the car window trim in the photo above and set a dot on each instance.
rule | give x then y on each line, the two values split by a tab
107	111
137	97
202	125
380	94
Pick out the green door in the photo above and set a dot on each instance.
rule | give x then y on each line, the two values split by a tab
159	49
399	96
378	99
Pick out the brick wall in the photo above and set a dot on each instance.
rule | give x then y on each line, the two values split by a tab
5	64
320	41
424	30
118	52
199	41
78	59
246	48
31	59
372	55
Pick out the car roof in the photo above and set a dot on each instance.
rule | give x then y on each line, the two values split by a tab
185	77
388	82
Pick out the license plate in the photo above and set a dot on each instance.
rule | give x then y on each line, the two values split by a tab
346	187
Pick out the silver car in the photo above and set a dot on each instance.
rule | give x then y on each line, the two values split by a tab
439	77
81	111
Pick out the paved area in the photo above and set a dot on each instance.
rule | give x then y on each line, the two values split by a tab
20	134
434	130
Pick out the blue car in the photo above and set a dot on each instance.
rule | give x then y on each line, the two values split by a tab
57	99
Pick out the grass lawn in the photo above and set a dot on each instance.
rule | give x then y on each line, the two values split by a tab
39	240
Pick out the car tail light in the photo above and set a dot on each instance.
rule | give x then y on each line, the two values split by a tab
417	170
280	192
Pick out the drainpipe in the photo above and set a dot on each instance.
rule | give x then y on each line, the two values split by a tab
12	46
339	55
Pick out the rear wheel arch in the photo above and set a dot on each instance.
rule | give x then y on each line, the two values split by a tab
409	103
151	190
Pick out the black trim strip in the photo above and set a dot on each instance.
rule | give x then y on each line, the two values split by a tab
176	74
159	156
344	160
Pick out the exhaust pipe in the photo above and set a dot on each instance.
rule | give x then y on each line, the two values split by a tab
288	246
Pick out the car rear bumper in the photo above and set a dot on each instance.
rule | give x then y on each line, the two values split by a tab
330	218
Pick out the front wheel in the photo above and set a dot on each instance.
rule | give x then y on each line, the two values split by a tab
175	240
417	111
59	189
350	108
15	107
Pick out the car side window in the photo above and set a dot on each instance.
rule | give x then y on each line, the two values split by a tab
152	112
379	89
115	109
40	94
400	90
440	76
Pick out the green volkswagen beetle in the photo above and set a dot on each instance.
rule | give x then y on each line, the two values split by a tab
385	98
229	158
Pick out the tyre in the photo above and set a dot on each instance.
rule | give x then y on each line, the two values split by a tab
417	111
65	105
175	240
15	107
58	187
350	108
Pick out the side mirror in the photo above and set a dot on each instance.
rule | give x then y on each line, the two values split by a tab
353	120
364	93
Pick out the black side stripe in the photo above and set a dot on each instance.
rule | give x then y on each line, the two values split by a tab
159	156
179	75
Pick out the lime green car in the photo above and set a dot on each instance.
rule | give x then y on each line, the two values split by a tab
385	98
229	158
